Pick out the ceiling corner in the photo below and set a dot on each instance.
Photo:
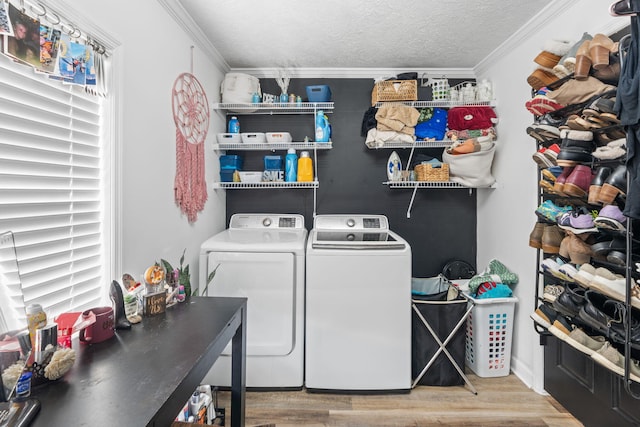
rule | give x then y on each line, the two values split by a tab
553	9
175	9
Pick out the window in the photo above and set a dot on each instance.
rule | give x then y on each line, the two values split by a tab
52	184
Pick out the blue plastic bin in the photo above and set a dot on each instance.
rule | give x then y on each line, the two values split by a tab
319	93
230	162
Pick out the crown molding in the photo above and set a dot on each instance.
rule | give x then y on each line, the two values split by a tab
177	12
526	32
359	73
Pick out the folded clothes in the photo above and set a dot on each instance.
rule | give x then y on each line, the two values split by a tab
377	139
399	118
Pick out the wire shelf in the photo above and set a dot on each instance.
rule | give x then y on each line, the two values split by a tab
275	108
416	144
264	185
423	184
273	146
444	104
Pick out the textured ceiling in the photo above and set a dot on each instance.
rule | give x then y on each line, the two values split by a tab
359	33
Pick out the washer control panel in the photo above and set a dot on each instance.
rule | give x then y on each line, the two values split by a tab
269	221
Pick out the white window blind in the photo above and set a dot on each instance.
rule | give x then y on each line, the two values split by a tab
51	187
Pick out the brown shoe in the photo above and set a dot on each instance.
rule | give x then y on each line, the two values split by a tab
535	237
599	49
579	251
551	238
583	61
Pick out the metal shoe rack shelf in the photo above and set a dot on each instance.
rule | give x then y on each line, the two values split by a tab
566	364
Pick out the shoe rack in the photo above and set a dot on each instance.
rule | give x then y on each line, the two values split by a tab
550	272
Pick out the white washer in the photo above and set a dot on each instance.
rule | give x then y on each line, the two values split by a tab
358	306
261	257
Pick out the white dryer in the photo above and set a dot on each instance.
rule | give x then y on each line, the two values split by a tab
261	257
358	306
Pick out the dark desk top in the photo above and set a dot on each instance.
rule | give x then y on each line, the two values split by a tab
145	375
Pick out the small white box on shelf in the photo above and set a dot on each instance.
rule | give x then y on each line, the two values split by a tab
250	176
253	137
225	138
275	137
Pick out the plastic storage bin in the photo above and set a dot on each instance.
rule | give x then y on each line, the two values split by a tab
253	137
226	138
275	137
490	335
319	93
230	162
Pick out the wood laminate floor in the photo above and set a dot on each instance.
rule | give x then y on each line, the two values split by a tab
503	401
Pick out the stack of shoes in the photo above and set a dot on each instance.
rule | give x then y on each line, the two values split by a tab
567	64
594	54
576	337
553	51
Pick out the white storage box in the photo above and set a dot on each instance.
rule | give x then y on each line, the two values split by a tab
490	335
238	88
250	176
253	137
278	137
226	138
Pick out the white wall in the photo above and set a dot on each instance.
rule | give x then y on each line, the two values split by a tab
506	214
153	51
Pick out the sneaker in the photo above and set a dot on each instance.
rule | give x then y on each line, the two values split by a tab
551	292
552	266
609	283
561	327
570	301
587	344
548	210
585	274
541	159
544	315
610	217
569	271
578	221
611	358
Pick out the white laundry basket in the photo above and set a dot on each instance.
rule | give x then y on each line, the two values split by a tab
490	335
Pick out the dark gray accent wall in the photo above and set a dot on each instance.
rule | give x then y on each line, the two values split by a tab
442	226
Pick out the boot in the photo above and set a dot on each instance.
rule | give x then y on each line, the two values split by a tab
115	293
552	236
579	251
535	237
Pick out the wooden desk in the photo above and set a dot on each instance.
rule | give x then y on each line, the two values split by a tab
145	375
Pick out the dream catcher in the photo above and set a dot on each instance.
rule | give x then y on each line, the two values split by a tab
191	115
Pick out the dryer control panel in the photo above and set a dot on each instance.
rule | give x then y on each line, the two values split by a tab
269	221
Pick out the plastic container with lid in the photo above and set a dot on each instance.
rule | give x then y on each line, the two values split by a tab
291	166
234	125
305	167
36	318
